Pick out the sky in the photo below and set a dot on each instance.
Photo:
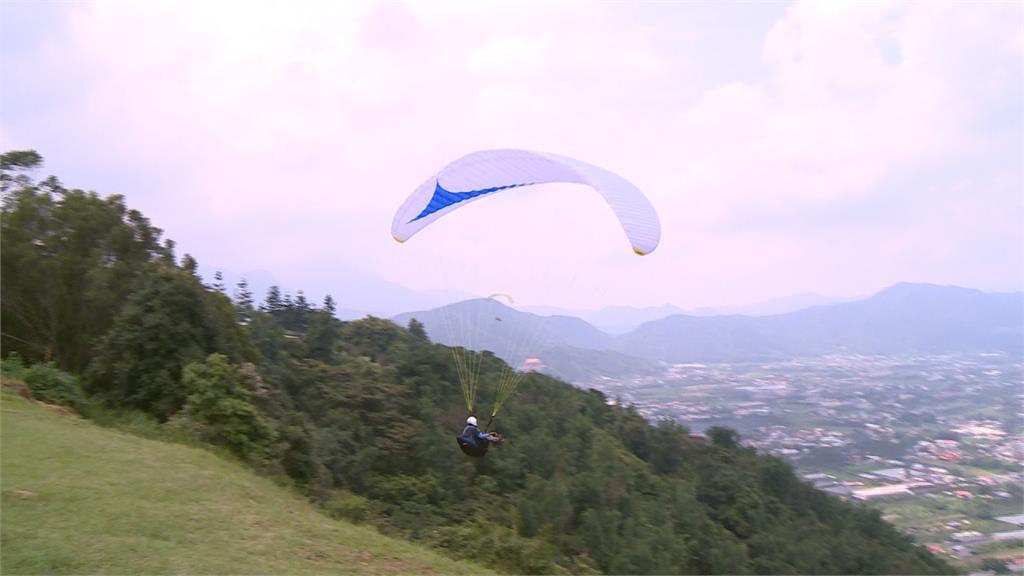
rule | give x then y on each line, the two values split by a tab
827	147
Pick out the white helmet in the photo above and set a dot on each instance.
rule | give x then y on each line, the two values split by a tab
471	420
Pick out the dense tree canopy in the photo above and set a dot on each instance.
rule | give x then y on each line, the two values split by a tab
69	259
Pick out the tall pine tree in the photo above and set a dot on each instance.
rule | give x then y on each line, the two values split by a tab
273	302
218	282
243	301
301	303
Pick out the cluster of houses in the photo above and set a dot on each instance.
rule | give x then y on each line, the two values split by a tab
919	479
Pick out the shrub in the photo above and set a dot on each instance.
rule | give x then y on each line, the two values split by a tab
52	385
345	505
11	367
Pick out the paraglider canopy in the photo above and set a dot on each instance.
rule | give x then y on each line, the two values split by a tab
490	172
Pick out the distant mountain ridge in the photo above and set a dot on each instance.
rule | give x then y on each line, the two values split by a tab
622	319
904	318
772	307
618	320
487	324
568	347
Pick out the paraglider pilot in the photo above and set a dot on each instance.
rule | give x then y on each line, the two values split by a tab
473	441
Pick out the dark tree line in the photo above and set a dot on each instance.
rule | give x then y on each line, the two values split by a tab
361	416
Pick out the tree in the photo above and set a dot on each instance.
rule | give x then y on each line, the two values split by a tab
14	166
329	305
291	314
301	303
273	302
168	321
167	257
322	336
267	336
243	301
219	408
218	282
723	437
68	259
189	264
417	330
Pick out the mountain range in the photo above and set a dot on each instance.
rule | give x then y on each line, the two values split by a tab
902	319
622	319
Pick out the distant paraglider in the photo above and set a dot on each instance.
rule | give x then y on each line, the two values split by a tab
502	296
490	172
532	365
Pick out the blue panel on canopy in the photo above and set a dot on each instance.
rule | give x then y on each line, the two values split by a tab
443	198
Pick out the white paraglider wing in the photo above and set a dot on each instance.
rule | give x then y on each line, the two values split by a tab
489	172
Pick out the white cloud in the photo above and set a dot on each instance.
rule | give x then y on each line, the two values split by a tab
283	137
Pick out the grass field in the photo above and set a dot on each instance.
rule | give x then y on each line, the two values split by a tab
78	498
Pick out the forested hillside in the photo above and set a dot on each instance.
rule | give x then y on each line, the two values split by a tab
361	416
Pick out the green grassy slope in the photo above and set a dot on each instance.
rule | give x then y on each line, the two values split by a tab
78	498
